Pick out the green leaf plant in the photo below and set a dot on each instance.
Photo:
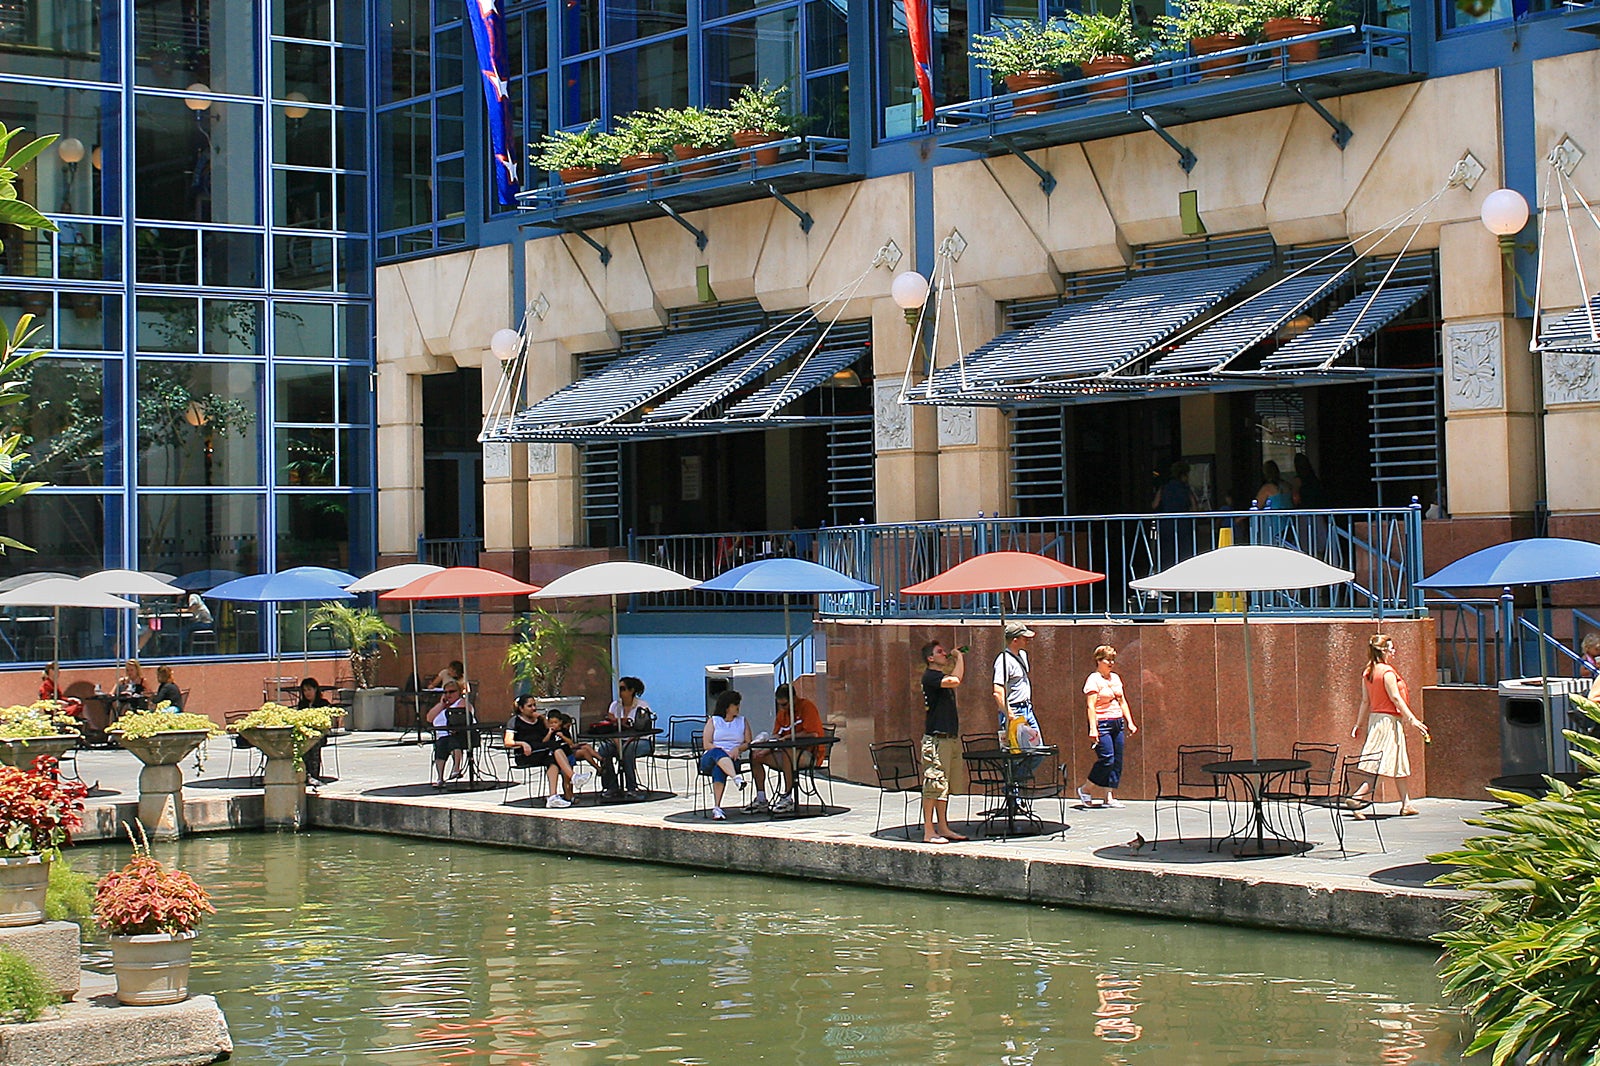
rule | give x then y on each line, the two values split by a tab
1524	956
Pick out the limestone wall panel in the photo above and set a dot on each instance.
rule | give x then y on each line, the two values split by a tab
397	334
1078	227
576	317
873	212
625	286
1491	469
1001	212
1564	91
973	478
1572	440
550	367
785	274
1472	276
736	236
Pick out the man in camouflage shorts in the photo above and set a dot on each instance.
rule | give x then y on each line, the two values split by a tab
941	741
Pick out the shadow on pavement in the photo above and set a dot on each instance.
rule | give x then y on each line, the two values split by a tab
1413	875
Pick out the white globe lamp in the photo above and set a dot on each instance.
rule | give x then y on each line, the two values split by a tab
1504	213
909	291
504	344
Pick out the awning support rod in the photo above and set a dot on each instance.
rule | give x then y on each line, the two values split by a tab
1341	132
700	239
1186	158
1047	180
605	253
804	217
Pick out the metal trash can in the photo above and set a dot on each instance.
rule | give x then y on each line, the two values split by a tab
754	682
1525	737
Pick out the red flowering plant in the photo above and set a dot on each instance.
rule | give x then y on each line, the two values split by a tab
38	811
148	896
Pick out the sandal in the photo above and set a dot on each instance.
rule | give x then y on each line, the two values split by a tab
1409	812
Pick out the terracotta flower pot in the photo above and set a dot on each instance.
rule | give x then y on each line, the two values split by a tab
1217	42
639	162
1112	87
152	968
685	154
1283	29
1033	103
575	174
23	881
766	157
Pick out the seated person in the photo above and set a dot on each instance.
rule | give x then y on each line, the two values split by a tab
449	745
785	762
454	672
532	742
167	690
726	739
50	689
310	695
627	712
561	740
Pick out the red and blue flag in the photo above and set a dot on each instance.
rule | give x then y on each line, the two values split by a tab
489	33
920	30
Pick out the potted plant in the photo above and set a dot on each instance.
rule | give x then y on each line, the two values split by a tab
284	733
38	814
693	132
364	632
755	116
1208	26
160	739
575	157
1023	57
636	143
39	728
1285	19
151	912
546	646
1101	44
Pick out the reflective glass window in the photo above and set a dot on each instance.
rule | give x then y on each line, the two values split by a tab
311	19
232	327
305	392
650	76
405	50
72	405
67	532
304	139
306	457
180	533
318	529
167	324
232	260
89	321
16	301
304	329
301	262
70	176
88	251
761	49
197	164
178	43
199	423
405	147
302	72
66	44
827	34
646	18
167	256
355	334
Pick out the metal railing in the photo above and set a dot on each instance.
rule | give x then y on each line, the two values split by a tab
1483	641
449	551
705	555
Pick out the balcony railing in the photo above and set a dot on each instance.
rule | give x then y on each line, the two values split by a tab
731	176
1166	94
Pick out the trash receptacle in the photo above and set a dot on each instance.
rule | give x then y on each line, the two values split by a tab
1525	740
755	682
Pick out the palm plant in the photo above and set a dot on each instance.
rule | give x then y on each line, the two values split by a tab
546	646
363	631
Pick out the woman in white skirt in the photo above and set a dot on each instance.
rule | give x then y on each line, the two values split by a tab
1386	711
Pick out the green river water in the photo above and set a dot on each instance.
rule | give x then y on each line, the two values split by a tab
335	947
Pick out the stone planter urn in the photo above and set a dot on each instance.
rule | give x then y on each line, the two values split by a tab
23	881
161	780
283	786
372	709
21	751
152	968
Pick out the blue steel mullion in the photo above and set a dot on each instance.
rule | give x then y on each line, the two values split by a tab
127	449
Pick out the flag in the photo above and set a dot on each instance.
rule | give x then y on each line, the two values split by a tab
489	33
920	31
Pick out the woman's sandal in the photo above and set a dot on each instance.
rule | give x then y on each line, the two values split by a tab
1409	812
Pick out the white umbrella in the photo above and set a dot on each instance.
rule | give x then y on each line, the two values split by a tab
393	577
129	583
1245	568
615	579
56	593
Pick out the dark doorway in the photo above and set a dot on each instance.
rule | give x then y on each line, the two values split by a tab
452	466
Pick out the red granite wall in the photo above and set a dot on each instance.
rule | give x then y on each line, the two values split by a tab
1185	680
1465	753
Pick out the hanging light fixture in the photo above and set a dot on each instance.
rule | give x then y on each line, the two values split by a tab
909	290
504	344
1504	213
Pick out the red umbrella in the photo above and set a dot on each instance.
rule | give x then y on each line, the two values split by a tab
1003	572
460	583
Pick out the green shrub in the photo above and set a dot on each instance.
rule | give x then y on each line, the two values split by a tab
1525	955
24	995
1023	49
70	895
565	150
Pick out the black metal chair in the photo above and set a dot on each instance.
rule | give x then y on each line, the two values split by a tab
976	742
1314	782
809	762
897	766
702	792
1043	780
1343	801
1191	786
258	761
680	743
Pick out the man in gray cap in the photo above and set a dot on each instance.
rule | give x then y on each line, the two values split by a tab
1013	693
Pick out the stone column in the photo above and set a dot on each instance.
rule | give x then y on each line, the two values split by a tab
161	802
904	441
974	442
554	471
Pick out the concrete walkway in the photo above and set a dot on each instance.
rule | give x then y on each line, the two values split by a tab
1098	860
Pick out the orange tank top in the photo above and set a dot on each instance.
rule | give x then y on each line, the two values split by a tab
1378	694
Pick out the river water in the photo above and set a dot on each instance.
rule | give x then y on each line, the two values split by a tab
334	947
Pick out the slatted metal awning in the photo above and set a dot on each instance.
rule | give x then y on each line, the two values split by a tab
1576	331
1241	328
1318	348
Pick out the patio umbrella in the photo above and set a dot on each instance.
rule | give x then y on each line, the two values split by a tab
128	583
324	573
1245	568
200	580
1003	572
788	577
392	577
273	589
58	592
458	583
1536	561
613	579
23	580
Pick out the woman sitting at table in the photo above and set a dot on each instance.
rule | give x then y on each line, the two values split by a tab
310	695
531	741
167	690
620	758
449	745
50	689
727	738
129	693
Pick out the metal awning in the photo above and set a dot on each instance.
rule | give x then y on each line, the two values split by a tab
1241	328
1576	331
757	359
1319	347
787	388
1090	342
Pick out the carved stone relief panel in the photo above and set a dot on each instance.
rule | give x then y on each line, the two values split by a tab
957	425
1571	377
541	459
891	418
1474	366
496	460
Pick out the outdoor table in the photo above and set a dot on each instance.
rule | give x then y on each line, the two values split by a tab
476	732
802	744
622	738
1535	785
1255	775
421	702
1007	763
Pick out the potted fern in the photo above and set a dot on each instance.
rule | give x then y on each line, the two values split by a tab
364	632
1286	19
1208	26
636	143
693	132
1026	57
151	911
755	116
545	649
1102	44
575	157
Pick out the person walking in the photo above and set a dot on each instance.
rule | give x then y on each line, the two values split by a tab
1110	718
1385	705
941	739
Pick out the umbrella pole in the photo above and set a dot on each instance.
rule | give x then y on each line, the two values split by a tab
788	643
616	646
1552	761
461	623
1249	680
416	665
57	627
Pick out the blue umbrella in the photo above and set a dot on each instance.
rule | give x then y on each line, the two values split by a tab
788	577
324	573
285	587
1536	561
200	580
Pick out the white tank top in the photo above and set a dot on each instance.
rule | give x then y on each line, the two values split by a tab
725	734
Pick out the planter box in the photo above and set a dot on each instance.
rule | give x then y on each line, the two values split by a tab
164	749
372	709
23	881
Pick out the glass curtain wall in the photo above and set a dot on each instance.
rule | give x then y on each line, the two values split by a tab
421	145
211	275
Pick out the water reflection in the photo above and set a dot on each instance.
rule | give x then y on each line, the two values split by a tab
331	946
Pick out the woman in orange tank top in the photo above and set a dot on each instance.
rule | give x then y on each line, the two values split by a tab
1386	710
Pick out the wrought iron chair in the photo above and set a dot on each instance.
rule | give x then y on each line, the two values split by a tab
896	764
1343	801
1191	786
976	742
258	761
680	743
1316	781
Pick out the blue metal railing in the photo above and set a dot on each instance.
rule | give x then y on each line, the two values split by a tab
449	551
